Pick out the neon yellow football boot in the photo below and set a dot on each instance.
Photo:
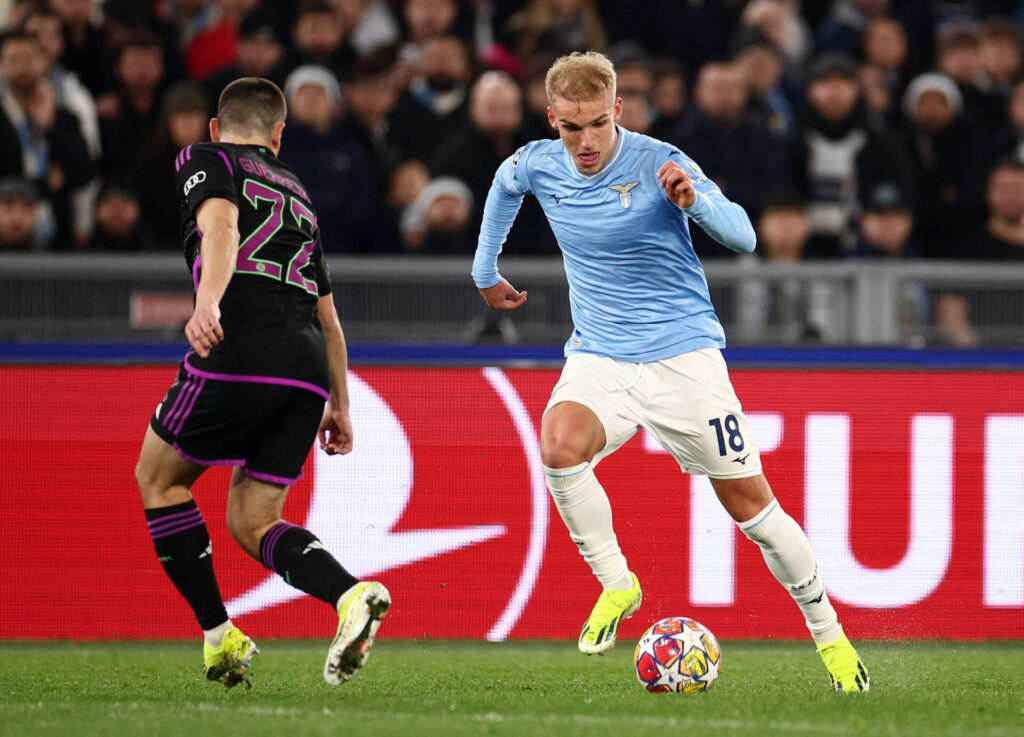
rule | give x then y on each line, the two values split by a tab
228	662
601	627
360	610
845	669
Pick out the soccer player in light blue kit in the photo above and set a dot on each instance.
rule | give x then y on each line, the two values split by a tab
645	348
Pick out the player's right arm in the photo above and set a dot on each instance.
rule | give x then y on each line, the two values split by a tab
503	202
217	219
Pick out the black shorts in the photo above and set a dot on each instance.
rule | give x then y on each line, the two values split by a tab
264	426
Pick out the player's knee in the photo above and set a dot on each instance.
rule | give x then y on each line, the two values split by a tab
564	451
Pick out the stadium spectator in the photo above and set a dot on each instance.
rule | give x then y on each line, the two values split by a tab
19	215
763	67
783	229
792	309
182	122
959	58
204	35
779	21
978	45
635	84
668	95
128	116
1002	236
880	96
886	47
472	154
999	239
885	224
551	27
370	97
691	32
119	222
839	152
370	24
535	100
486	19
424	21
884	231
439	220
843	28
943	149
735	150
72	95
86	51
985	70
407	180
40	140
1009	139
999	50
16	11
261	47
434	106
318	37
45	25
335	169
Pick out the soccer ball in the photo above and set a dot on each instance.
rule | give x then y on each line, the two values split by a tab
678	654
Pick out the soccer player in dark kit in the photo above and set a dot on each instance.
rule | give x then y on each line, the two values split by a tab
267	352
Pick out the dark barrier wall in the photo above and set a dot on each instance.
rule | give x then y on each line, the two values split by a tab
910	484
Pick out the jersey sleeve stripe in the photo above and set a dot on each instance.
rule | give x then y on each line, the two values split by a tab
227	163
188	152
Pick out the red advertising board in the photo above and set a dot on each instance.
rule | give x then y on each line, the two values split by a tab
910	485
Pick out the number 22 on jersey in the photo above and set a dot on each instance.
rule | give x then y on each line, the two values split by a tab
248	262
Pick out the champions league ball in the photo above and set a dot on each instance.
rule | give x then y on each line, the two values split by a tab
678	654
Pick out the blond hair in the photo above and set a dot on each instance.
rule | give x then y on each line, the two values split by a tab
581	76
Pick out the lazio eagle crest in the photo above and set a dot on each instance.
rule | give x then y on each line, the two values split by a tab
625	195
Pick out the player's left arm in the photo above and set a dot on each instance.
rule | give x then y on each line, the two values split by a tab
217	219
704	203
335	432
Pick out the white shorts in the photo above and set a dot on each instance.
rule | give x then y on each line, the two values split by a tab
686	401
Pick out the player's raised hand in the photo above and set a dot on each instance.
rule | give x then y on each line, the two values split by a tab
203	330
335	431
677	184
503	296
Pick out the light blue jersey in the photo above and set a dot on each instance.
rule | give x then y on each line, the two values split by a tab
636	288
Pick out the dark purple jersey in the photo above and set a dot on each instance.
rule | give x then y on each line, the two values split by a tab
269	310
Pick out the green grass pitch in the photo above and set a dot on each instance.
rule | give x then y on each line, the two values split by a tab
413	689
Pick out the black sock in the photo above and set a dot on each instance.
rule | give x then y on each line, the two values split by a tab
183	545
298	557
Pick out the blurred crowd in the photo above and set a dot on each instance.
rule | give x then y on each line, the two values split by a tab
884	129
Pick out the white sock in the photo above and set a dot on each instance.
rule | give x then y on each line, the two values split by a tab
587	513
788	554
213	637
